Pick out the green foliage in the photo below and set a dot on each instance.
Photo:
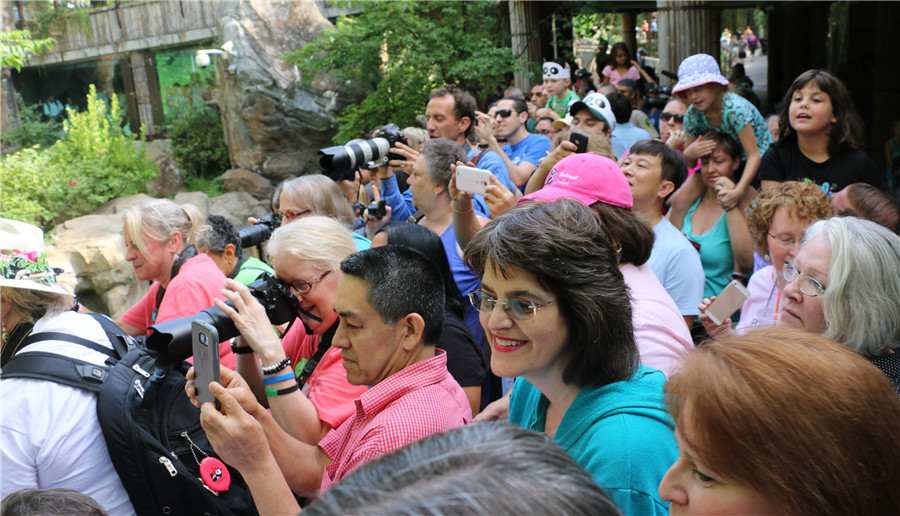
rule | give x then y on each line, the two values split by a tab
399	51
95	162
32	129
50	20
198	140
211	187
17	46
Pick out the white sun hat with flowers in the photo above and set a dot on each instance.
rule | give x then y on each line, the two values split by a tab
23	262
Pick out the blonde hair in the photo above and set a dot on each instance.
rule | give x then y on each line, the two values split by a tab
416	137
321	195
159	219
318	239
30	305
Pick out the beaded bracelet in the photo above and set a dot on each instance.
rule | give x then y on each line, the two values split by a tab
286	390
279	378
272	369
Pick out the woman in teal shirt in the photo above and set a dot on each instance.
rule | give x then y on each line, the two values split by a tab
556	312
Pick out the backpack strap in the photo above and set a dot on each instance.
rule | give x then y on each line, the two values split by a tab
39	365
54	335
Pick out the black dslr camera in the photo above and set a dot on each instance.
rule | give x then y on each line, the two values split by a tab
259	232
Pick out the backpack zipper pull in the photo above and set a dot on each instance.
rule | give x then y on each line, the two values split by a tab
139	370
168	464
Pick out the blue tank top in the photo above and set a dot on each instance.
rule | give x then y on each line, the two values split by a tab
466	281
715	252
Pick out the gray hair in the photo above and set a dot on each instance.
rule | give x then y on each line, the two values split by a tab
50	502
319	239
482	468
862	300
321	195
159	219
439	154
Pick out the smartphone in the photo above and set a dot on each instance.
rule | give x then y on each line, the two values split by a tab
580	140
727	302
474	180
205	339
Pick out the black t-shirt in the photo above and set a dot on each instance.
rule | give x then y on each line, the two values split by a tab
784	162
464	358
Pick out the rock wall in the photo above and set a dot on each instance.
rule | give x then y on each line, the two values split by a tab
273	125
92	251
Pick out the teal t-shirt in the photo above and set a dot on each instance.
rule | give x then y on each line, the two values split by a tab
620	433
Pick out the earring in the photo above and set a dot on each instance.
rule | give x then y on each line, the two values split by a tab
175	257
766	258
4	335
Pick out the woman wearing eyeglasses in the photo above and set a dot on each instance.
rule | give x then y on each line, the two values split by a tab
318	195
844	284
777	220
556	312
306	255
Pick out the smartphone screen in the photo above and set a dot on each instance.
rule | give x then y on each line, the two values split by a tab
727	302
205	341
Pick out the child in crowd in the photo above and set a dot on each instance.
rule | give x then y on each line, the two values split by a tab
820	137
714	108
623	66
557	79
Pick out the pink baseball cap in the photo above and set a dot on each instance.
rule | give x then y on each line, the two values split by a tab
587	178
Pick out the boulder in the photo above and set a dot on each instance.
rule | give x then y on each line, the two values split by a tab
169	181
243	180
92	251
274	125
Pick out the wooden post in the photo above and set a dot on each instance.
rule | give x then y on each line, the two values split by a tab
142	95
686	27
523	18
628	35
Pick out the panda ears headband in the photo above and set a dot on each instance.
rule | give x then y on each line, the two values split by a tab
553	70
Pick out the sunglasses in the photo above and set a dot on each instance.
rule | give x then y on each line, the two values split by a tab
668	116
503	113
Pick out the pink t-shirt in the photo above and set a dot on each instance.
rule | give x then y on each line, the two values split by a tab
763	296
197	284
615	76
661	334
327	388
413	403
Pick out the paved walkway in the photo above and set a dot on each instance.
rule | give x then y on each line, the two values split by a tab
757	71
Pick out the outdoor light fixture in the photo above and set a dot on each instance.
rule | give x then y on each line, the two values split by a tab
202	58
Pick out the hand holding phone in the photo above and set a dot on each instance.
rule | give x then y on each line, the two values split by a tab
471	179
580	140
205	340
727	302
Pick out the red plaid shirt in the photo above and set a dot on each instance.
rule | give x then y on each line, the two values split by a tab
418	401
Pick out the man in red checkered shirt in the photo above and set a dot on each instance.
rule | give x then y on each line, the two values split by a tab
390	303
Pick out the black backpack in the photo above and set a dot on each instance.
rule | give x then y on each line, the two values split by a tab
147	420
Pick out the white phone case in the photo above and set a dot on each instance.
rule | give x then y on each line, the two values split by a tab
727	302
474	180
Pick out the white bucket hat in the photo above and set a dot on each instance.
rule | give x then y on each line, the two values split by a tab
23	263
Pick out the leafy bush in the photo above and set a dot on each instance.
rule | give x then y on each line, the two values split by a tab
198	140
32	129
95	162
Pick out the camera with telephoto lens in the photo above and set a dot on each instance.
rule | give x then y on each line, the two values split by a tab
340	160
172	339
259	232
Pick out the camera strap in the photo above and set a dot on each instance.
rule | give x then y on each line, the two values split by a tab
324	344
185	255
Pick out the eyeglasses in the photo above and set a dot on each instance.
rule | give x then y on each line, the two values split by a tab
503	113
807	284
784	241
303	287
291	214
545	132
665	117
516	308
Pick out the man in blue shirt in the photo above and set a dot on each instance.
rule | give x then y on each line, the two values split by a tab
524	150
450	114
625	134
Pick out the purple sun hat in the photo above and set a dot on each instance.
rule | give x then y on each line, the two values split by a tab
697	70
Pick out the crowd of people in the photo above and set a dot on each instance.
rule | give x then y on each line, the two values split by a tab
570	298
